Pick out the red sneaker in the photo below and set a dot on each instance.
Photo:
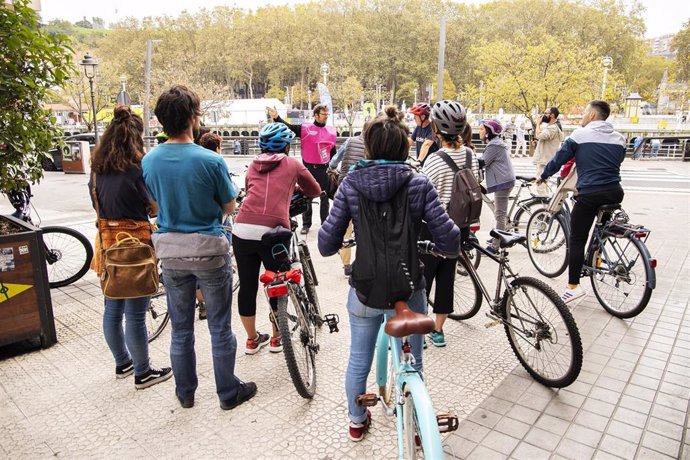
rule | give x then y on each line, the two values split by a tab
357	430
276	346
254	345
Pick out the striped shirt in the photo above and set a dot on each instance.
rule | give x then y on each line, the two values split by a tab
441	175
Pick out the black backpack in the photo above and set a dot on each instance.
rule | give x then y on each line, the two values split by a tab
387	266
465	205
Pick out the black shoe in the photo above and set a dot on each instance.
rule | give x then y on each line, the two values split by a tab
304	230
152	377
185	403
246	392
202	311
125	370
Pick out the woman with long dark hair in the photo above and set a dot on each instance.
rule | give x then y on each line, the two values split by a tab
120	198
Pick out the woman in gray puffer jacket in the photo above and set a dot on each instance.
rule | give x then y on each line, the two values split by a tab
378	178
500	176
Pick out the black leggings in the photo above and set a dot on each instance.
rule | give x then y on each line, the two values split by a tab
443	271
249	254
581	219
320	174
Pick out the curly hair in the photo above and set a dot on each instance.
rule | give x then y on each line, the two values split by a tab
175	108
210	141
122	146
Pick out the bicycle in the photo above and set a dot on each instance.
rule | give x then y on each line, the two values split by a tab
298	310
548	231
521	208
540	329
68	252
402	391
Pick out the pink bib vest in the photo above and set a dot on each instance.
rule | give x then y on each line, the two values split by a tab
317	143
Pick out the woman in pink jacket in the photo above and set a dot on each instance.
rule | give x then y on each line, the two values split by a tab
271	180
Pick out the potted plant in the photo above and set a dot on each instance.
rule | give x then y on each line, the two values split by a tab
33	63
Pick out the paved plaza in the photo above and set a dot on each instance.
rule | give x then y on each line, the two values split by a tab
630	401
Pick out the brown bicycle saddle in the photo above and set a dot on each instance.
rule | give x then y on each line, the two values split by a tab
406	322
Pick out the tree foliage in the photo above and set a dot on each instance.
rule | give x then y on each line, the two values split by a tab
32	63
227	51
681	44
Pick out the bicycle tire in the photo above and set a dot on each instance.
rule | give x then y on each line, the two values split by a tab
475	256
68	255
545	328
467	297
299	354
620	305
414	412
310	285
519	220
548	242
385	372
157	316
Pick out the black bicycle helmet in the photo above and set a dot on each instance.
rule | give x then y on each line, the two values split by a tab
449	117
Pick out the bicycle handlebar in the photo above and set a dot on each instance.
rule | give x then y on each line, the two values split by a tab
423	246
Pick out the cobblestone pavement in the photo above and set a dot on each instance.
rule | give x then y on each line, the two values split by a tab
631	399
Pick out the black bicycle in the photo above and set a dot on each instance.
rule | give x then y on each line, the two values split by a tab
299	312
68	252
540	328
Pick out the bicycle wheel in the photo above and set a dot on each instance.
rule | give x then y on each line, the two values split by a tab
68	255
420	427
467	297
542	332
385	372
620	276
298	341
157	317
547	242
475	256
524	211
310	285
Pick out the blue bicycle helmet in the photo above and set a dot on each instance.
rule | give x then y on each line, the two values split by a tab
274	137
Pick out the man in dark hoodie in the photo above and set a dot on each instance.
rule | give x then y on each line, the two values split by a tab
270	182
598	151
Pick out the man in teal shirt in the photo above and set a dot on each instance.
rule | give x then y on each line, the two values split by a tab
192	189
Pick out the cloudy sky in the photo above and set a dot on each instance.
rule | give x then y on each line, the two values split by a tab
663	16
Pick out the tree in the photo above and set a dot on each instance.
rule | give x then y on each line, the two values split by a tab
32	63
681	45
530	78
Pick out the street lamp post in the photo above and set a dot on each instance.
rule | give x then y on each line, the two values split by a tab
325	70
90	65
287	95
415	95
607	62
147	83
309	96
123	97
481	91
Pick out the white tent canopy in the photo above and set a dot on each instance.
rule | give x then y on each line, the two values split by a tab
238	112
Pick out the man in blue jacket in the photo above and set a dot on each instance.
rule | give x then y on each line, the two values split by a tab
598	151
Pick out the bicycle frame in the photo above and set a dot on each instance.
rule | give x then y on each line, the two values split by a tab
503	277
406	375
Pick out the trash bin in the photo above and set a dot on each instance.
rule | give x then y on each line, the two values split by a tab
76	157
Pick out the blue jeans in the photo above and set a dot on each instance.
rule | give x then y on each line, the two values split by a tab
365	323
133	342
216	287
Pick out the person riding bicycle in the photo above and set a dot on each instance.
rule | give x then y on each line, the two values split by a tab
598	151
448	122
422	135
500	176
378	178
271	180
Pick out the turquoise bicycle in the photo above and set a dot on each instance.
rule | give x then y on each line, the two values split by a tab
401	388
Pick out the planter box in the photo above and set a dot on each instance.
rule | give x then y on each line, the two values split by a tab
26	309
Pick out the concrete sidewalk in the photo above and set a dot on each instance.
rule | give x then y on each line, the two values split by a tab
631	399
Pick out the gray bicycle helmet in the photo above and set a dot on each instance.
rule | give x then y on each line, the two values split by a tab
449	117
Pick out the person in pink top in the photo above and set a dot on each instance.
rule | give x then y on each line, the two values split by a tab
318	146
273	177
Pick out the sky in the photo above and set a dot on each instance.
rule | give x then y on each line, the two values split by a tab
663	16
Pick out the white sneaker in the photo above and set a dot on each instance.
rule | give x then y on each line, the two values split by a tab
571	294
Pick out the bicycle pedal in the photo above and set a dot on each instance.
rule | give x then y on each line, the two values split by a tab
447	422
367	400
332	320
